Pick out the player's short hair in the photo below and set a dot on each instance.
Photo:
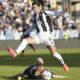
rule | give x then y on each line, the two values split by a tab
36	3
40	60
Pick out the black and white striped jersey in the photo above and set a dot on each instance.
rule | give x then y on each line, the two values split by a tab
43	22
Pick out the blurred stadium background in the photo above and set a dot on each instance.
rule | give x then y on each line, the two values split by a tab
13	18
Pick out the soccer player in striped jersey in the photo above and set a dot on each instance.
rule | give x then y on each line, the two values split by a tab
43	35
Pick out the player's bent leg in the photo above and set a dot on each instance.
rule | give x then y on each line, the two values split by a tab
25	42
30	45
23	37
22	46
53	51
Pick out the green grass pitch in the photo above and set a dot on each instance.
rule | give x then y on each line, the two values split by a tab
11	66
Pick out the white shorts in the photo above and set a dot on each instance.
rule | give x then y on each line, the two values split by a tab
44	38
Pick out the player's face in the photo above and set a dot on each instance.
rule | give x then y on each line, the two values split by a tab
37	9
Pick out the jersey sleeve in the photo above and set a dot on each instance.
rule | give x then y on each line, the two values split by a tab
50	13
53	13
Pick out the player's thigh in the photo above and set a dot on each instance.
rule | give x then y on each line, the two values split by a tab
48	40
30	40
36	38
50	44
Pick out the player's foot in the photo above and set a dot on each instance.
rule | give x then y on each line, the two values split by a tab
11	52
66	68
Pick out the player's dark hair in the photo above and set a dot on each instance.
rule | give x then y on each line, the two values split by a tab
36	3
